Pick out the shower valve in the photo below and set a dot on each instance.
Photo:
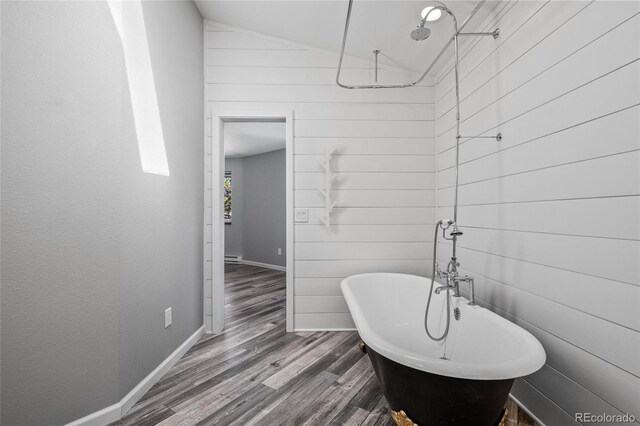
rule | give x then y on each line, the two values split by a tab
439	273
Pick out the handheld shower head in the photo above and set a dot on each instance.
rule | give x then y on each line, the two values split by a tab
420	33
456	232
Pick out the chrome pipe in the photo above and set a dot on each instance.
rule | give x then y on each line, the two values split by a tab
452	268
436	272
395	86
457	81
495	33
497	137
376	53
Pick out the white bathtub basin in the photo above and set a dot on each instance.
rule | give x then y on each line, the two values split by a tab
388	310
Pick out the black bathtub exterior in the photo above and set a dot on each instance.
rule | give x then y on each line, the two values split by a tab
433	400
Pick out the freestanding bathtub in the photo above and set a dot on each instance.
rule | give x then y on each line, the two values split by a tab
484	352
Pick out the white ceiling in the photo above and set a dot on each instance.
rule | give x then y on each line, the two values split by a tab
243	138
375	24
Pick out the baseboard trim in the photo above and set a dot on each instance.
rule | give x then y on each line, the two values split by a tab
265	265
526	410
147	383
112	413
325	329
116	411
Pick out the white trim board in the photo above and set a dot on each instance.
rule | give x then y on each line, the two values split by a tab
206	115
118	410
112	413
264	265
216	283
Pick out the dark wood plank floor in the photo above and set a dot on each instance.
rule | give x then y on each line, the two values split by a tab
256	373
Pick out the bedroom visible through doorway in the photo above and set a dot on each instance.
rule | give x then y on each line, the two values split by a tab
250	216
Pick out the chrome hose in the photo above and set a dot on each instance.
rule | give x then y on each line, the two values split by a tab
433	279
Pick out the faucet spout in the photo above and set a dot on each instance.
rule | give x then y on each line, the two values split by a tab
444	287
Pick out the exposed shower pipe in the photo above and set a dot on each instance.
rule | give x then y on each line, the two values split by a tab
376	53
495	33
395	86
421	33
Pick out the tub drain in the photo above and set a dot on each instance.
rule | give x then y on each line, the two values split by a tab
456	314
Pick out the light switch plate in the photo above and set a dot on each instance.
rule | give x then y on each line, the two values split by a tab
301	215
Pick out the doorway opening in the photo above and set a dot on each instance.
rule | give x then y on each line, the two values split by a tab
250	186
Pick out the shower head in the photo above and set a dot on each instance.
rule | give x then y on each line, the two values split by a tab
431	13
456	232
420	33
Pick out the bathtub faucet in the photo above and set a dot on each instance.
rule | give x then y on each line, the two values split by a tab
472	293
451	275
445	287
454	280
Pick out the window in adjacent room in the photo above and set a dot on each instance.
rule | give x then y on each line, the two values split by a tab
227	197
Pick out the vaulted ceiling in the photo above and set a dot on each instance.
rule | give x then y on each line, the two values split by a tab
375	24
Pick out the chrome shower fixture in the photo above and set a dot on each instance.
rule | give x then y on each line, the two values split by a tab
497	137
495	34
452	277
441	8
420	33
445	224
456	232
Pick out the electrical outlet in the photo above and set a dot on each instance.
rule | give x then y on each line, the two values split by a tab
301	215
279	251
167	317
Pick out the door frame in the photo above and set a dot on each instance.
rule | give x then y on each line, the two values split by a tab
215	182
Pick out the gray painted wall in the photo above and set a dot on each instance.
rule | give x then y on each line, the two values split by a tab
162	248
233	232
62	146
264	207
93	250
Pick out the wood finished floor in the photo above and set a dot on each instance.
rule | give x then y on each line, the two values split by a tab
257	374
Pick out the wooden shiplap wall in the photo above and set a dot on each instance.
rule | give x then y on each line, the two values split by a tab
385	161
551	214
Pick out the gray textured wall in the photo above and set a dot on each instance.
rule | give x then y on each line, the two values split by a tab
233	232
93	250
264	207
61	154
162	225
